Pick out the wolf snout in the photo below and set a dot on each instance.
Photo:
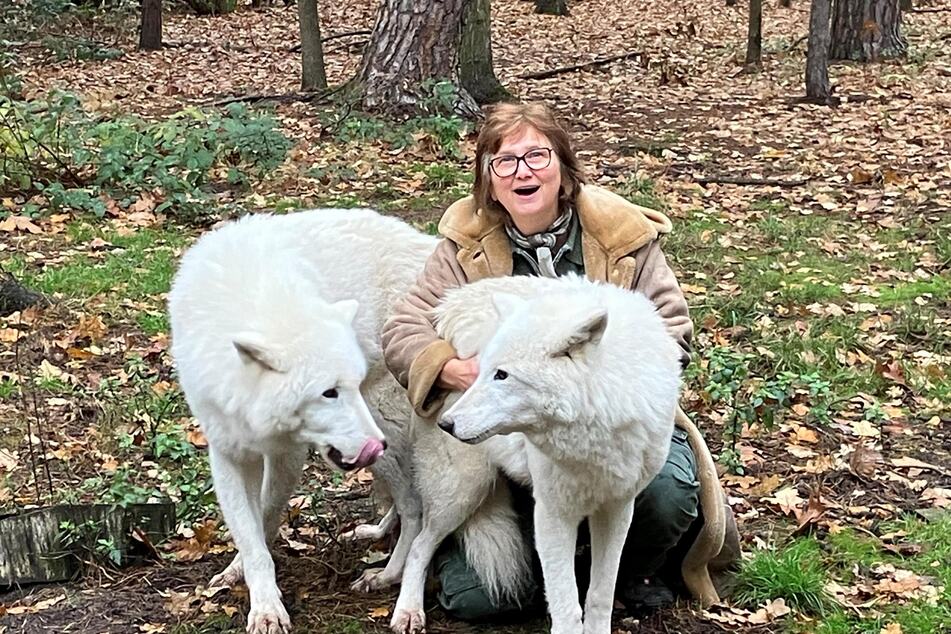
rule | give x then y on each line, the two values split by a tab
447	424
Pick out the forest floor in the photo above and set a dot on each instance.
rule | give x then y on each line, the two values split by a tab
813	243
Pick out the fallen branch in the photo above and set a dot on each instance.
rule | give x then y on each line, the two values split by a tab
797	43
737	180
929	10
336	36
567	69
315	97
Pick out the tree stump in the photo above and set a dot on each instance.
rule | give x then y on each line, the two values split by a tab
35	548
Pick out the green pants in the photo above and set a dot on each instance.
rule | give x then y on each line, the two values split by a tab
662	514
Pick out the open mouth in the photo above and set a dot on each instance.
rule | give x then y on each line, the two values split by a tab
527	191
475	440
369	453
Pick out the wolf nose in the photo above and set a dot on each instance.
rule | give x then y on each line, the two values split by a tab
447	425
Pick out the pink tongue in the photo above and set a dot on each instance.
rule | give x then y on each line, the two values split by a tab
371	450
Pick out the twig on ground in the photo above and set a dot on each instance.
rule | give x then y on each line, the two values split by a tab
567	69
315	97
797	43
737	180
336	36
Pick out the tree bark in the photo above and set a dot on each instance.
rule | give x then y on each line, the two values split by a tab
754	38
551	7
818	87
475	55
414	45
866	30
150	34
313	74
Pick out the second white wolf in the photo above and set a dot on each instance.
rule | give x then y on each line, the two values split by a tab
577	390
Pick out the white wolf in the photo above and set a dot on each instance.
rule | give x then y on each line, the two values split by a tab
577	389
273	353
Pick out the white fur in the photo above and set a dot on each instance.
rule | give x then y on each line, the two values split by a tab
583	411
264	323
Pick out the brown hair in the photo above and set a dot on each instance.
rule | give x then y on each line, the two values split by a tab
508	118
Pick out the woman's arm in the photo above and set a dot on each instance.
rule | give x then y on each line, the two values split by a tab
413	352
657	281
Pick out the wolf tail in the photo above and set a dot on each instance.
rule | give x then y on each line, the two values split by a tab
496	549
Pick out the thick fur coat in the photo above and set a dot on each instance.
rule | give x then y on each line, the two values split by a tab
577	392
275	334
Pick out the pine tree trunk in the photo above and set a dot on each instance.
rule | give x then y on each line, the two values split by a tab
150	34
413	43
866	30
754	38
313	74
818	87
551	7
475	55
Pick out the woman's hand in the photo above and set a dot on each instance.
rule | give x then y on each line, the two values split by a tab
459	374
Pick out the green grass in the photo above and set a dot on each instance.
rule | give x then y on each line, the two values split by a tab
793	573
141	266
799	571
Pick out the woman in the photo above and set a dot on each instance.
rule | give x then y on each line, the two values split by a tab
531	213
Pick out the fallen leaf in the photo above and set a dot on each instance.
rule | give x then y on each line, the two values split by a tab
788	500
379	613
864	460
916	464
19	223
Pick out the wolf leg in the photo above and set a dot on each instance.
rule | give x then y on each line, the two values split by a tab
609	527
555	537
238	486
407	502
438	524
280	477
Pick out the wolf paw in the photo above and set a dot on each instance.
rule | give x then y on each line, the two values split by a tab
371	580
408	622
373	532
269	617
230	576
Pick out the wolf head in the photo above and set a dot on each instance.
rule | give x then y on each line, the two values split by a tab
309	387
533	371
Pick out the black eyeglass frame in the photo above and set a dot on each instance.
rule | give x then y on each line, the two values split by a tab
522	159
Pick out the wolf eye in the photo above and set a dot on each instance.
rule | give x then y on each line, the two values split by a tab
331	393
501	375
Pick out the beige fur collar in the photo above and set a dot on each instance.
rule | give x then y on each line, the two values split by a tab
617	226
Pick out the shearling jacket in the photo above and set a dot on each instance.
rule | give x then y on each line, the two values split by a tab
619	242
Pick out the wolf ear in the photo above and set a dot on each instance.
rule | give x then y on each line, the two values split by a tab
587	332
505	304
347	309
252	348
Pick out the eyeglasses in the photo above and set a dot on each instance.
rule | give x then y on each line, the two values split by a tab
507	164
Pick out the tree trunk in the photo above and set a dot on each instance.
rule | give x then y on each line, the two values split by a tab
313	75
475	55
413	46
754	38
866	30
150	34
818	87
551	7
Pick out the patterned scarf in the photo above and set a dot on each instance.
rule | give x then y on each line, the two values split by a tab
536	248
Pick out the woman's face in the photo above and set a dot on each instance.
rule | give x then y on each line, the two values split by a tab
529	195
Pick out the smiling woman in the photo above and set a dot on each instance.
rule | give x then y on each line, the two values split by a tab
531	213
